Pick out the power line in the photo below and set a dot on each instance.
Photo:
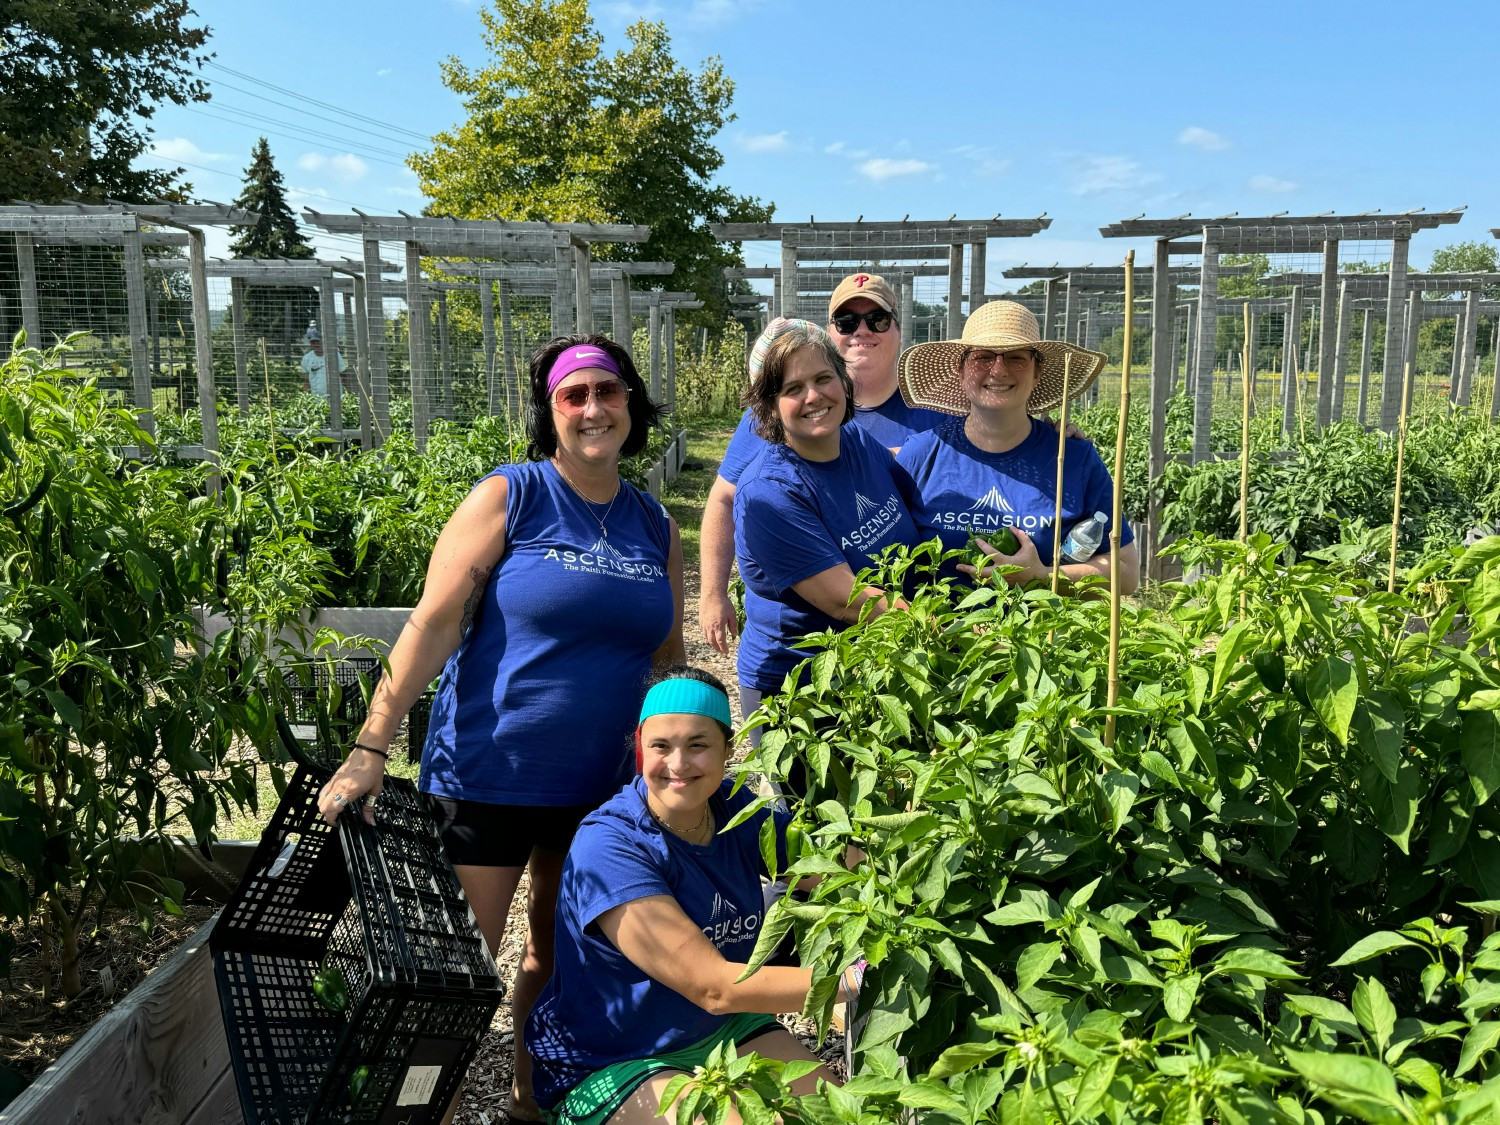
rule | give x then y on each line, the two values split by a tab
340	138
311	101
310	136
233	176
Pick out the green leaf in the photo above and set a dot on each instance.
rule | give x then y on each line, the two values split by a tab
1253	961
1479	746
1374	945
964	1056
1179	995
1035	962
1333	691
1352	1074
1394	806
1329	1012
1120	790
896	714
1231	649
1373	1008
1479	1042
1378	728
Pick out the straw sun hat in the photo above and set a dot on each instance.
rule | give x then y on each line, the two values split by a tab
929	372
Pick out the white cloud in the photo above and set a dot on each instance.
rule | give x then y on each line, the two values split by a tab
382	72
1205	140
1094	175
629	11
765	142
180	148
344	165
1271	183
884	168
715	12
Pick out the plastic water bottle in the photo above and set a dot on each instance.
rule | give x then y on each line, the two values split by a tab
1083	541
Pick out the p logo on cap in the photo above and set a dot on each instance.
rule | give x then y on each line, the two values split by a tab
870	286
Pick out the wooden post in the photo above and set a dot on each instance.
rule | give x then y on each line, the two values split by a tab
1208	312
976	276
487	327
1341	350
669	328
332	357
1247	380
416	329
1469	350
655	322
1113	696
776	303
203	355
1328	296
1455	359
955	290
583	290
237	287
908	286
140	356
1365	351
1291	342
1062	449
31	304
1254	358
619	314
1390	582
380	372
788	303
1070	305
562	295
1395	344
1049	309
444	360
1163	335
511	374
361	321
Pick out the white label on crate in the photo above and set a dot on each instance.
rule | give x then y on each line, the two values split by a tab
419	1085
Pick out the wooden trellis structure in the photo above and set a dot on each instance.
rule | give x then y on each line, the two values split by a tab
883	247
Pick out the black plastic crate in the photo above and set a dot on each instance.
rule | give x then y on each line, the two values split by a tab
418	719
382	904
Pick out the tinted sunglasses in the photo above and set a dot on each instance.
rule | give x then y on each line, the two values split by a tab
876	320
611	393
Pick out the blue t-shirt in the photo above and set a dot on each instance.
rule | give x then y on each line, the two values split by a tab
962	489
538	703
598	1008
794	518
891	424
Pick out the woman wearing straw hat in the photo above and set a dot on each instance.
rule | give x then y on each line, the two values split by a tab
812	509
995	467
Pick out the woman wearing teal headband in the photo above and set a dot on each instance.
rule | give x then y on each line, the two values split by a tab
657	916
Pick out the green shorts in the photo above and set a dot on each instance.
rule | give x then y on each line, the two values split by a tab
594	1100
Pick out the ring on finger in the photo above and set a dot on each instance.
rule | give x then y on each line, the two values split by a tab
340	800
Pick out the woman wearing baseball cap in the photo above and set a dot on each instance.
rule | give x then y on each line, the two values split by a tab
992	469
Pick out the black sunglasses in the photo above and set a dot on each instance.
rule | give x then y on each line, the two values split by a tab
876	320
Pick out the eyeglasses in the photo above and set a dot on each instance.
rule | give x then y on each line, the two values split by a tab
611	394
1014	361
876	320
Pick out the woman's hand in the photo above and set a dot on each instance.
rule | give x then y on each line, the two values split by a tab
1025	557
361	775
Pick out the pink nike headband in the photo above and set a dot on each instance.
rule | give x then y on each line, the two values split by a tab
578	359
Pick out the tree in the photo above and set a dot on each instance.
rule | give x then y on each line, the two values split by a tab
556	130
278	312
1468	257
77	82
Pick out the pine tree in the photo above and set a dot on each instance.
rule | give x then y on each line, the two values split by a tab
277	234
279	313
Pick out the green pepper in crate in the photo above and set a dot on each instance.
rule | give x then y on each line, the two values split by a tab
330	988
357	1080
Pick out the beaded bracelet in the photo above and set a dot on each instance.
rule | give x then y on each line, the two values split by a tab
371	750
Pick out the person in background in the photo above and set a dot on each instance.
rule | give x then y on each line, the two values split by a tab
657	917
315	365
553	591
994	466
862	321
819	502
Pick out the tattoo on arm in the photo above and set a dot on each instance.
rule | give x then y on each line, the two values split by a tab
481	578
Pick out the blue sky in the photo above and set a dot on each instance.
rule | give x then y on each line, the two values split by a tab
1089	112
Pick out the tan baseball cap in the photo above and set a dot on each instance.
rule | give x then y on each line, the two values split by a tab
870	285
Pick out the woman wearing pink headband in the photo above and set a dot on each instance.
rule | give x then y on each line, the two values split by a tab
552	593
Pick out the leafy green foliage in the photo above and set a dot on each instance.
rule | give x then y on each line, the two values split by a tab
558	130
1179	926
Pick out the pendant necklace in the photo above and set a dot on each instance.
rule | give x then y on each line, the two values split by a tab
686	834
588	504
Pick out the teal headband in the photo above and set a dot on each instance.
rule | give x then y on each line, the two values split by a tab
687	697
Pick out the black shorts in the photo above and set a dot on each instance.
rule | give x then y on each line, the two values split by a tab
476	834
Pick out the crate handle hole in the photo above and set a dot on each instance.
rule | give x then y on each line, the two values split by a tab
283	857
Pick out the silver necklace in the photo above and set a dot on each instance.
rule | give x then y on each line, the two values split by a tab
688	834
588	505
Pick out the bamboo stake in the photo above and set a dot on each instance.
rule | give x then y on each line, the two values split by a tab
1390	582
1297	376
1248	379
1114	526
1062	445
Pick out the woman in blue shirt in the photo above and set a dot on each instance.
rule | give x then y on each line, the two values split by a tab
658	915
995	467
814	507
553	591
